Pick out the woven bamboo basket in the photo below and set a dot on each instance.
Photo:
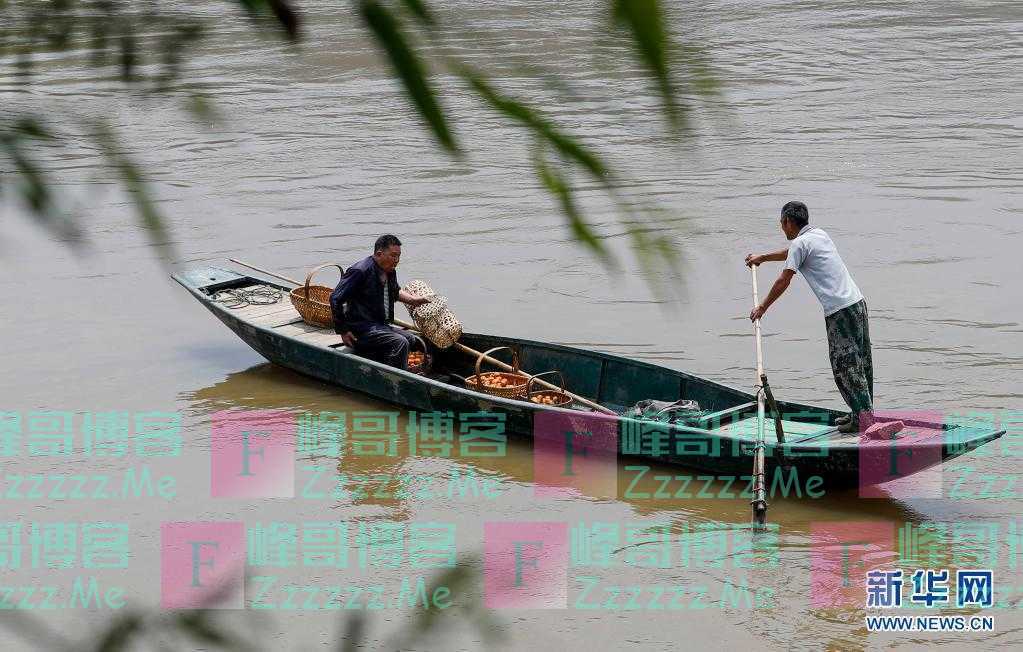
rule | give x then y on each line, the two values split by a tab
313	301
436	322
423	367
487	382
554	397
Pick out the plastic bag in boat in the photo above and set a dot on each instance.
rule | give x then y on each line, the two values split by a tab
666	411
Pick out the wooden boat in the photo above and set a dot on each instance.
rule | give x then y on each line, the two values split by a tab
719	442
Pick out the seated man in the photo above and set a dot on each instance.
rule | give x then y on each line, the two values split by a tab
363	306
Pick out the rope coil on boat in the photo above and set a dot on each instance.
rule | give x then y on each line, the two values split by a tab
257	295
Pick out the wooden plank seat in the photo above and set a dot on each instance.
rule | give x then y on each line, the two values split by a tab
312	334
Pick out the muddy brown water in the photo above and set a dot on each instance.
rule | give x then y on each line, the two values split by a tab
898	124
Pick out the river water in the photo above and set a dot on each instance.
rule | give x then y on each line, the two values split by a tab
899	124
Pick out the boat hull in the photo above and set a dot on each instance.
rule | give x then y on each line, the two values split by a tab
814	454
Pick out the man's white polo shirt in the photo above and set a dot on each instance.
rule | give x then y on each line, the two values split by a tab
813	254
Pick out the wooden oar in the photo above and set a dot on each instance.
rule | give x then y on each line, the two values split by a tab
759	502
457	345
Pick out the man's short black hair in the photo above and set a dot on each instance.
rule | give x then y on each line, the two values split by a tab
797	212
385	241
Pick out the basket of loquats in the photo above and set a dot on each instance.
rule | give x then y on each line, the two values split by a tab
419	362
555	397
506	384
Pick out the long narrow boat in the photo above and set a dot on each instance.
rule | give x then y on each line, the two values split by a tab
719	441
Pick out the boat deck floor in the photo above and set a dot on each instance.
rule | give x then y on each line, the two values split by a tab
284	319
746	428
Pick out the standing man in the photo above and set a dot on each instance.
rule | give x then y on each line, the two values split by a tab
363	306
813	254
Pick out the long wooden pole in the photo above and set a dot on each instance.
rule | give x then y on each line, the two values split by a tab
457	345
759	502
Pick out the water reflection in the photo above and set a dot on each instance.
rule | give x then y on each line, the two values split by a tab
268	386
798	536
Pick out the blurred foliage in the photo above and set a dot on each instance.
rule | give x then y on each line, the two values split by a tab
643	26
210	628
140	45
407	65
144	46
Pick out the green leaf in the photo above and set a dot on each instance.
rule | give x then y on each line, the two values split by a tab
410	70
702	76
658	259
557	185
119	633
99	38
568	147
282	12
136	187
33	128
33	183
420	11
644	20
197	624
353	633
129	56
202	109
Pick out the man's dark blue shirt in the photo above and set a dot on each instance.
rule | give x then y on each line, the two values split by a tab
358	300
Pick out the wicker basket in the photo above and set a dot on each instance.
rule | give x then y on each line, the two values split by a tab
558	398
436	322
517	380
313	301
422	368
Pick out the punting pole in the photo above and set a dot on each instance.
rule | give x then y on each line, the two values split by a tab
457	345
759	502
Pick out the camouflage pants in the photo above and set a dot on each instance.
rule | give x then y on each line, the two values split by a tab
849	349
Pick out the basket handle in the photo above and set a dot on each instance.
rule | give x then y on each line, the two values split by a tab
423	342
529	385
515	359
309	276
